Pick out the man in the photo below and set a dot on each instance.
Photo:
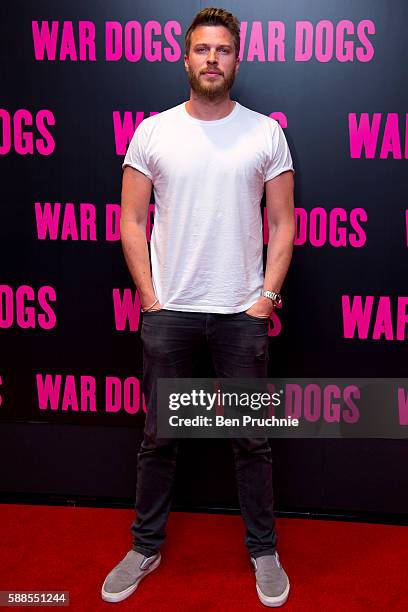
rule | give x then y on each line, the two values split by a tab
209	161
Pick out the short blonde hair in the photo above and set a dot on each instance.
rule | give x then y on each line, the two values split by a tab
214	16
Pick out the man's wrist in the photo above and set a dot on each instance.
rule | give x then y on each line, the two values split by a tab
151	307
267	301
272	296
147	300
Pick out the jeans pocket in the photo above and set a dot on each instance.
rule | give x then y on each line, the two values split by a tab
255	318
151	312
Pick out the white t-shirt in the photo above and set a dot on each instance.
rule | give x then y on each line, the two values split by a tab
208	179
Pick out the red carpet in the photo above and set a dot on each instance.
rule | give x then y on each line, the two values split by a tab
331	565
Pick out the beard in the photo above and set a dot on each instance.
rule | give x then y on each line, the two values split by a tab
210	90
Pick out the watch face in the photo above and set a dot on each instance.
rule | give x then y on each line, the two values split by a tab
278	299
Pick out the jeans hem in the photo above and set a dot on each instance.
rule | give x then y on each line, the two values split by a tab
262	553
144	551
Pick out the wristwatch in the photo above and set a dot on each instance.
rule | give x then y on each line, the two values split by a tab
275	297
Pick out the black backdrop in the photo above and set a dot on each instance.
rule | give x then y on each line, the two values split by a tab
61	297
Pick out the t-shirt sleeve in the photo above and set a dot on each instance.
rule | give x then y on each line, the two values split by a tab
279	158
136	155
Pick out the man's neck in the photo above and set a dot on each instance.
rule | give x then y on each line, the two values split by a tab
209	110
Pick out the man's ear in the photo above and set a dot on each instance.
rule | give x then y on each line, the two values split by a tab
237	65
186	62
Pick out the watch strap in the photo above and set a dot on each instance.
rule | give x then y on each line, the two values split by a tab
274	296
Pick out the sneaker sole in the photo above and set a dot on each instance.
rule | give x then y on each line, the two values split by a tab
273	602
116	597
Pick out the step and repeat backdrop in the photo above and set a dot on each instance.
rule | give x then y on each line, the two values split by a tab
77	80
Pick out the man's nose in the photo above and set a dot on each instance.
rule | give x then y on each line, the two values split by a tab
212	57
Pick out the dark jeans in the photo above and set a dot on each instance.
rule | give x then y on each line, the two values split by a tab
238	345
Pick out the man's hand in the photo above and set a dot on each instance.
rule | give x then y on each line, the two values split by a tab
262	308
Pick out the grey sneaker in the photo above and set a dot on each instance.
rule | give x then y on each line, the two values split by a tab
272	583
124	579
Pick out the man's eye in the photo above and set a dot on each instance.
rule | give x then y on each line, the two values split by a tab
201	50
224	51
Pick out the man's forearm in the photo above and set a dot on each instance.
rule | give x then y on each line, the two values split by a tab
279	255
135	250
